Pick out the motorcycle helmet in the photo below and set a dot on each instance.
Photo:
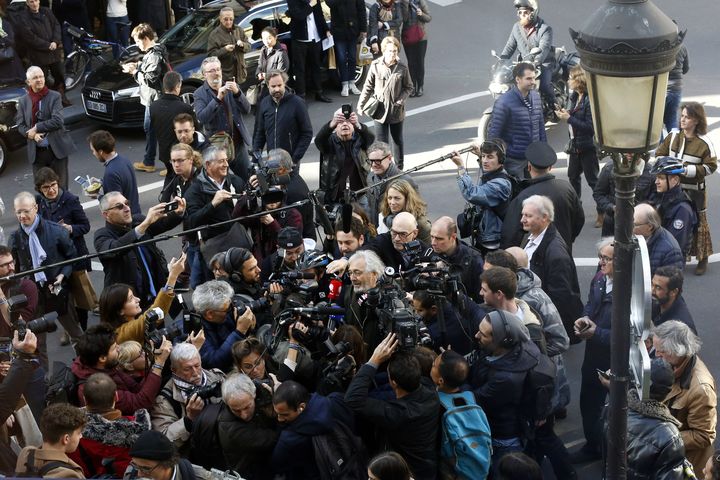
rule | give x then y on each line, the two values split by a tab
529	4
313	259
667	166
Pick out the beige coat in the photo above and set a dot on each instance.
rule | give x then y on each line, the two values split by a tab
45	456
692	401
233	63
393	98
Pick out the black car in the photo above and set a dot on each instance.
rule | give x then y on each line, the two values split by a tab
10	138
112	96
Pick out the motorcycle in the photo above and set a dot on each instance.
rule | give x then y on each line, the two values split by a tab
502	80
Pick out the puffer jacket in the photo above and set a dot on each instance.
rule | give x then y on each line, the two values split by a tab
678	216
275	58
489	195
149	73
529	290
284	124
517	125
581	123
664	251
542	37
399	87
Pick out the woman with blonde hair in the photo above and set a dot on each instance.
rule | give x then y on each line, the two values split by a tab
131	359
400	196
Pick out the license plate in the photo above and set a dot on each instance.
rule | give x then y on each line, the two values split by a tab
98	107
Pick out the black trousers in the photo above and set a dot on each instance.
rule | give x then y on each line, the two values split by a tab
44	157
585	163
416	61
306	61
548	444
382	133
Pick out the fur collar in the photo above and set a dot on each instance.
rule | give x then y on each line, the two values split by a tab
119	433
650	408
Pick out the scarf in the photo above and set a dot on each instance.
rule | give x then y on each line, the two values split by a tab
187	387
36	98
36	250
386	11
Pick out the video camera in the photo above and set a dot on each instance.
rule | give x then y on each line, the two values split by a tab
240	302
267	175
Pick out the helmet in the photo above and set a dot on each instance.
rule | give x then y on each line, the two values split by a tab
530	4
667	166
313	259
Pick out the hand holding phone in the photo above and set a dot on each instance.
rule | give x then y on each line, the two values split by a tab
603	374
171	206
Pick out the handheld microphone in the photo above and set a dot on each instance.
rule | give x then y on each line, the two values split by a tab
346	216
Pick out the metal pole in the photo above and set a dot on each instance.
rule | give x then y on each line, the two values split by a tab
626	172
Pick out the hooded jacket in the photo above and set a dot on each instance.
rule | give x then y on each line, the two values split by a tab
529	289
284	124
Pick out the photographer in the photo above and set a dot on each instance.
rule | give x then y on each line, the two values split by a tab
144	267
410	423
445	242
17	373
343	144
98	353
290	246
184	397
222	323
120	307
251	357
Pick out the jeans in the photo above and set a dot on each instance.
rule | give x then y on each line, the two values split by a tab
583	162
67	41
500	449
548	444
151	145
117	33
346	58
394	129
672	109
592	401
416	61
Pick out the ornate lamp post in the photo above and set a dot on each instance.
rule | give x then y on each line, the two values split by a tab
627	48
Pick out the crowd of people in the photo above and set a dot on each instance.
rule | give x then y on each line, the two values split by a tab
296	331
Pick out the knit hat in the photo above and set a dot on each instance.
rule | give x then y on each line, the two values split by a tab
661	379
289	237
152	445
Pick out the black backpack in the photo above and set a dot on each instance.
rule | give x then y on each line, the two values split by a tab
538	391
340	454
205	449
501	210
63	386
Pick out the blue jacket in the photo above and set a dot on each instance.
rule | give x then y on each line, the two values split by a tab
678	216
283	125
664	251
120	177
68	209
216	352
488	196
582	123
517	125
213	116
598	309
294	455
56	242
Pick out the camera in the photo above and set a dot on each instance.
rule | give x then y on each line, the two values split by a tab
242	301
6	349
44	324
153	333
267	175
206	392
336	350
337	375
346	110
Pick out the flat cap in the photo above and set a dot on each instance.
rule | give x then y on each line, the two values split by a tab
540	155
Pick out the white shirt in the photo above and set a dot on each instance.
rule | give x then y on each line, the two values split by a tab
313	34
533	243
117	8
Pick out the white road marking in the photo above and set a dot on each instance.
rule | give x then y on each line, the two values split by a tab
445	3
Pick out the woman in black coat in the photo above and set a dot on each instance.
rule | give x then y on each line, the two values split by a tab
273	56
63	207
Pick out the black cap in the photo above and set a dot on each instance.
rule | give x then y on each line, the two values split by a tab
541	155
661	379
152	445
289	237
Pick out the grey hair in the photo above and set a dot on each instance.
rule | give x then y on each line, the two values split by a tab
372	261
25	196
105	200
677	338
653	218
543	204
33	69
211	295
183	352
237	383
227	9
605	242
210	154
207	61
281	157
379	146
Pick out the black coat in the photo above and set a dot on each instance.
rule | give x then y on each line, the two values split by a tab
56	242
37	31
68	209
471	263
569	215
162	113
71	11
247	446
200	211
383	246
298	11
283	125
604	194
347	19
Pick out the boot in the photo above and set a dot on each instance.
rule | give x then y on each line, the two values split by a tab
418	90
599	220
701	266
63	98
414	92
345	89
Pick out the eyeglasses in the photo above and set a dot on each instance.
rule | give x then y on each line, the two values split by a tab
605	259
639	224
119	206
355	273
401	235
141	468
379	160
51	186
249	367
7	264
212	70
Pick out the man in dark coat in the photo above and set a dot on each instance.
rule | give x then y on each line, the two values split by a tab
517	118
604	194
662	247
307	44
382	166
38	119
162	114
119	173
348	26
550	260
668	302
444	242
569	215
228	43
144	267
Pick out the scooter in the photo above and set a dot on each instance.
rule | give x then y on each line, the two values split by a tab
502	80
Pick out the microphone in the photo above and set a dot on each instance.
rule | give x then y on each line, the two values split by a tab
346	216
298	275
320	310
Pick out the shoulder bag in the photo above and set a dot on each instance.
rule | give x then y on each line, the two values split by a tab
374	107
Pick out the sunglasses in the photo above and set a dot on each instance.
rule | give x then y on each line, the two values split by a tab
378	160
119	206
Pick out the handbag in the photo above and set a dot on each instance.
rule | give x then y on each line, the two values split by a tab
82	290
374	107
237	236
413	34
252	94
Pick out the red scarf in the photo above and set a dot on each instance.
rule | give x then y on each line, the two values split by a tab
36	98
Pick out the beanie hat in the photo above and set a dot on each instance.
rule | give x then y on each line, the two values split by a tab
289	237
661	379
152	445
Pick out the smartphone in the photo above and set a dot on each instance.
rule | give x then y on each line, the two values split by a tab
172	206
178	192
346	110
83	181
603	374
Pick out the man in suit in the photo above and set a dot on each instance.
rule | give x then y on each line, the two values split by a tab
38	119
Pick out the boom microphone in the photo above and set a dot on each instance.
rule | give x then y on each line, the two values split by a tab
298	275
320	310
346	216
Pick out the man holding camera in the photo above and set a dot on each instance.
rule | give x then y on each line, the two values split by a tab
445	242
143	267
290	246
365	270
222	323
41	242
185	395
382	166
343	144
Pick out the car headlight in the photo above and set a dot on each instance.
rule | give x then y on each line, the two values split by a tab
129	92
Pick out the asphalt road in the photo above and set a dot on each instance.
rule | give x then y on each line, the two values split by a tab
457	67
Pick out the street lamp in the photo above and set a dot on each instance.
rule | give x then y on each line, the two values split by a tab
627	48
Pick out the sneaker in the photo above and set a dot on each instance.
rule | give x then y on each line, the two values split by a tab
345	90
354	90
163	172
141	167
65	339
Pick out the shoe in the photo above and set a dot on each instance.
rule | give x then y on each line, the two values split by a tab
163	172
599	220
584	455
322	98
141	167
701	267
65	339
345	90
414	90
353	89
419	91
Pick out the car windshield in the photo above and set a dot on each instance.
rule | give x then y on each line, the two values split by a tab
191	33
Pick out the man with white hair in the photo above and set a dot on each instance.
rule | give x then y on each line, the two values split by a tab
38	119
365	270
550	259
693	397
179	402
663	249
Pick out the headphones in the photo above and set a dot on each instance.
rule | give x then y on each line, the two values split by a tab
227	263
507	341
497	145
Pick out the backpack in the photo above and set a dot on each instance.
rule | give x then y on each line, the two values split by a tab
32	471
501	210
63	386
538	391
466	440
340	454
205	449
